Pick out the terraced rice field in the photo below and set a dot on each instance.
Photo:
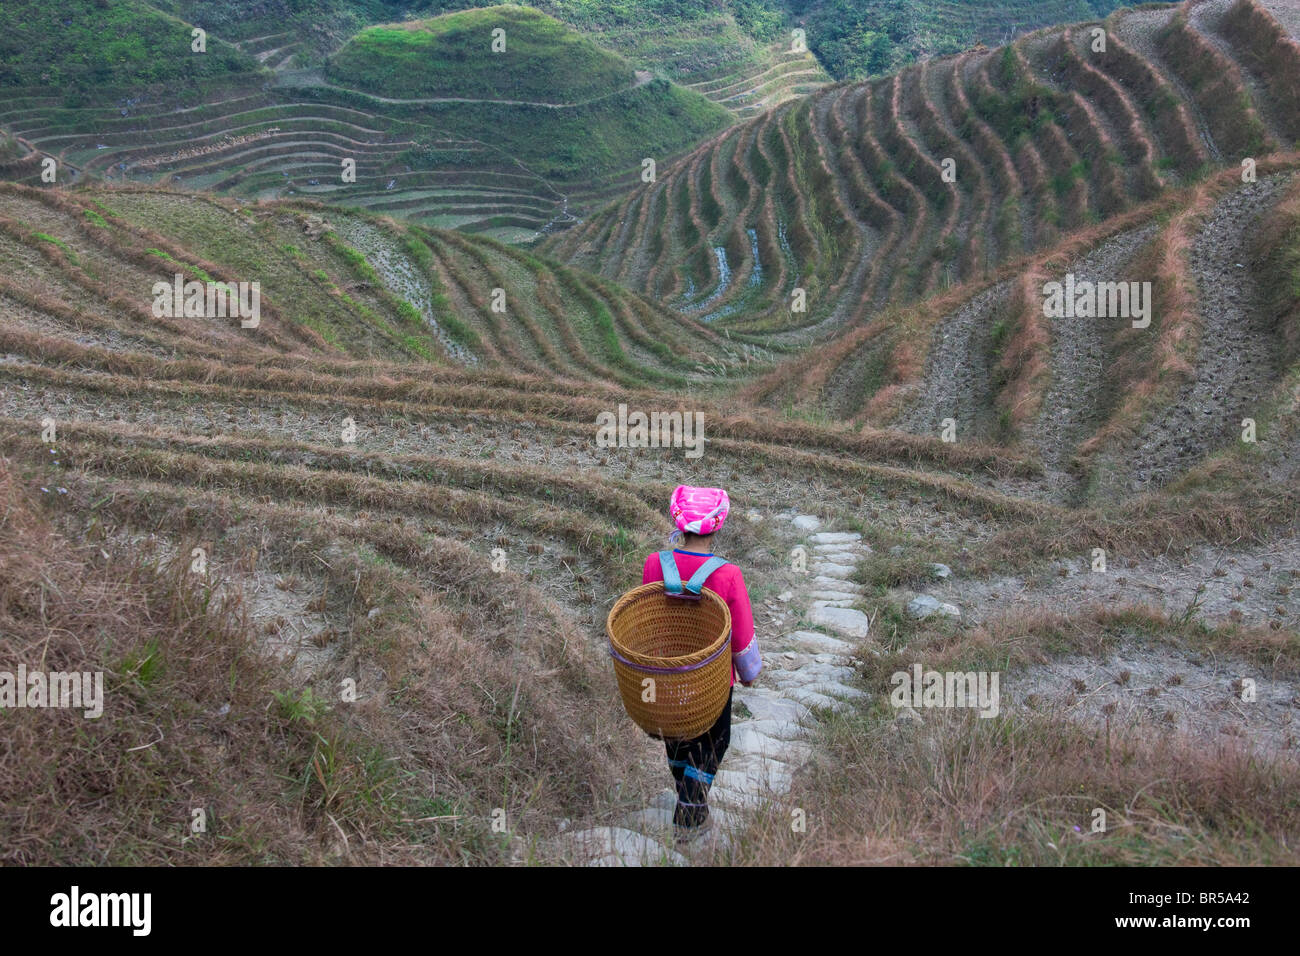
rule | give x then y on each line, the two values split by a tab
1039	139
396	477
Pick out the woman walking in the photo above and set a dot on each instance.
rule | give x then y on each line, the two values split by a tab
699	513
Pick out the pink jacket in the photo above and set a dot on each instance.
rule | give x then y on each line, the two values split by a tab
729	584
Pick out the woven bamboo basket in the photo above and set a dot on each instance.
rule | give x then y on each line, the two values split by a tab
683	646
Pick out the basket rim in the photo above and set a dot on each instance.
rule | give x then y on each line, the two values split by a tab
681	660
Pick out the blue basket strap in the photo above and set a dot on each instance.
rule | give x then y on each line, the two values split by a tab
699	577
672	579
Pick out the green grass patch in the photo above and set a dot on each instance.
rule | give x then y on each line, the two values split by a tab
67	250
534	58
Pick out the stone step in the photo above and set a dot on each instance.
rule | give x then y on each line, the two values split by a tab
837	558
652	821
832	596
849	622
811	699
836	584
836	554
823	643
756	779
768	705
828	569
814	673
835	537
780	729
837	689
746	741
620	846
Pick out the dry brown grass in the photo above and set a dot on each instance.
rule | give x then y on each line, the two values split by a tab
1274	56
1217	86
1024	367
1276	247
474	692
1220	502
1021	788
1149	375
961	790
120	788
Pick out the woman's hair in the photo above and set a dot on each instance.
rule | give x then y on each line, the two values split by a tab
686	538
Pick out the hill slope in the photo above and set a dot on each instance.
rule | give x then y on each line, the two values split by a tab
453	56
880	192
858	38
396	484
81	47
483	162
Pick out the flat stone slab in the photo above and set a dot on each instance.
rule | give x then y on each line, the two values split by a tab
780	729
818	672
836	689
832	596
925	605
812	698
835	537
732	798
828	569
746	741
822	581
843	620
835	660
791	679
619	846
652	821
853	549
665	799
755	780
807	522
814	680
823	643
836	557
840	603
765	705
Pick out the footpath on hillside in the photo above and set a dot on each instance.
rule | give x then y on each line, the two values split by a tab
805	670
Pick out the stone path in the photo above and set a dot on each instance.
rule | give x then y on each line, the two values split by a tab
804	671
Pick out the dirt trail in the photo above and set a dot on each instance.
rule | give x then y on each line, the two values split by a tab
808	643
1236	361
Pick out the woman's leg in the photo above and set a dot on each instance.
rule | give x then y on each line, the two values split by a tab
693	764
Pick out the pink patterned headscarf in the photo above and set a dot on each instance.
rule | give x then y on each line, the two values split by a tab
699	510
